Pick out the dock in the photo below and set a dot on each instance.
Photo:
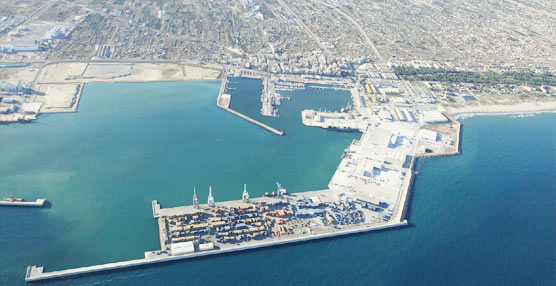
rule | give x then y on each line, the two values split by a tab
223	101
36	273
285	219
329	87
37	203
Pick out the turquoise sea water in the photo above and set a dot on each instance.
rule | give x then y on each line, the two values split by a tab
485	217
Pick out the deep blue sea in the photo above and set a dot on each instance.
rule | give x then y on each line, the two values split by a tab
485	217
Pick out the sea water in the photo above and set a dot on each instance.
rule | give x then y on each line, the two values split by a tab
485	217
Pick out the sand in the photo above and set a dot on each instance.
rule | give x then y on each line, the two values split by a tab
61	72
59	84
13	75
515	108
81	72
58	97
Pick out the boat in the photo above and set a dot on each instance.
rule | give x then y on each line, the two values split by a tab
342	129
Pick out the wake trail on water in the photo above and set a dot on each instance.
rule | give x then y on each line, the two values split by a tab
119	278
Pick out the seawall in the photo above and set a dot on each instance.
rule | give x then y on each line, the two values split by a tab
35	273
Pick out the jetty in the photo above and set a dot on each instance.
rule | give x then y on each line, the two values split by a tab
37	273
12	202
223	101
329	87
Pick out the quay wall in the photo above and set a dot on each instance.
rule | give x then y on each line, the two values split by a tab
450	153
78	97
32	275
222	88
409	196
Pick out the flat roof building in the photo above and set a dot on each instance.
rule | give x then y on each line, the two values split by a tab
182	248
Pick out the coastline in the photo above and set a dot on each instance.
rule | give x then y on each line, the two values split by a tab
504	109
56	80
57	86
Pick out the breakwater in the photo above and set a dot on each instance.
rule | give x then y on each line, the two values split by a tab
36	273
223	101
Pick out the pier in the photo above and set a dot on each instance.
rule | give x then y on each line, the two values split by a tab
37	273
329	87
223	101
273	130
37	203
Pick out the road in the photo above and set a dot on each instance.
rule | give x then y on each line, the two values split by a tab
311	34
355	25
33	14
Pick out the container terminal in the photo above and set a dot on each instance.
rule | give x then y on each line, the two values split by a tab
368	190
277	218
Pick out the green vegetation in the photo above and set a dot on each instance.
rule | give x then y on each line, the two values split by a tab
490	78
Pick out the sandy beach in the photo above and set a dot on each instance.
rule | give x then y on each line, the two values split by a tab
516	108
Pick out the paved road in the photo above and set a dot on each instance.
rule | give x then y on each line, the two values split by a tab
355	25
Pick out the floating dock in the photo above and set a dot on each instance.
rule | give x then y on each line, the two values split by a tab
36	203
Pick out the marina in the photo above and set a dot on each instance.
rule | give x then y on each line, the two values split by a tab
223	101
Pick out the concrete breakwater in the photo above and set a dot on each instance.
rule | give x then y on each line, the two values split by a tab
223	101
273	130
35	273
